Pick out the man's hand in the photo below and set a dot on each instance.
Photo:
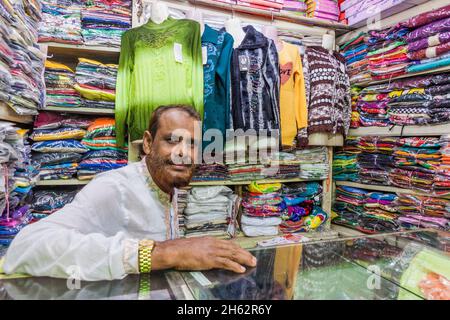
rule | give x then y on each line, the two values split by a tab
203	253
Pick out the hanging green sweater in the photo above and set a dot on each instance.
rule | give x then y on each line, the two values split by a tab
160	64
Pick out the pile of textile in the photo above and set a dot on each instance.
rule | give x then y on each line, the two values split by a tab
17	176
211	211
21	61
57	144
355	118
182	199
368	212
262	206
104	21
442	177
297	7
387	52
60	83
323	9
282	165
313	163
428	42
355	52
418	100
96	83
61	22
301	204
210	172
48	201
375	160
272	5
104	154
345	165
416	160
423	212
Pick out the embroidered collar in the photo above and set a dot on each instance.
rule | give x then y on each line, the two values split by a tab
163	197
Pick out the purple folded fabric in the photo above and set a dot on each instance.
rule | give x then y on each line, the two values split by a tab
428	30
427	17
435	40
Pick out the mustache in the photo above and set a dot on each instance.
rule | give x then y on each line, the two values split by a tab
187	162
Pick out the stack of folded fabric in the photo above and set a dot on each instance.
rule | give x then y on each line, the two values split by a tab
354	52
17	177
375	160
104	154
210	172
442	177
428	39
57	144
282	165
297	7
413	101
387	52
372	108
323	9
96	83
210	211
60	82
313	163
21	61
46	202
182	200
416	162
262	206
272	5
345	165
61	22
104	21
368	212
355	118
301	204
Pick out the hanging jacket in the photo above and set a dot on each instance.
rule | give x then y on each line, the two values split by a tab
255	83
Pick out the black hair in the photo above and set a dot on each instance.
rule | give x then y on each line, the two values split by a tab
158	112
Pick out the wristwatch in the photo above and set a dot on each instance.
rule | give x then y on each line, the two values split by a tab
145	255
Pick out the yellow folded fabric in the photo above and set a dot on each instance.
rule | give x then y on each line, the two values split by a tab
56	65
95	94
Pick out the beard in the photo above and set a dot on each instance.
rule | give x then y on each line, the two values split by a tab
159	166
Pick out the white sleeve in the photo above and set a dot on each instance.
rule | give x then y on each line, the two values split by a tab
84	238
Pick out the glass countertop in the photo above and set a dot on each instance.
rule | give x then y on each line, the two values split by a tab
414	265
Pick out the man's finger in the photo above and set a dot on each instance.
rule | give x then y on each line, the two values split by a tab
238	255
228	264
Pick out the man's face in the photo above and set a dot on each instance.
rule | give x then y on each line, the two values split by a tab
172	152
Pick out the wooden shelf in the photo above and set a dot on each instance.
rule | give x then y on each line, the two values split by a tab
63	51
408	75
8	114
430	130
276	15
81	110
62	182
388	189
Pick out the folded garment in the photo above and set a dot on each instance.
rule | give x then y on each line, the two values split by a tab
57	134
69	145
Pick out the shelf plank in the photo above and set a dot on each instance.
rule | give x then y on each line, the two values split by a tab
245	182
6	113
431	130
81	110
62	182
388	189
283	15
63	52
408	75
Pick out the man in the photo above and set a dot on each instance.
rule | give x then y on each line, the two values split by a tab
123	221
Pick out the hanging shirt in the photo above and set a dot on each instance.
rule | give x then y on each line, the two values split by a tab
255	83
160	64
98	232
293	111
216	68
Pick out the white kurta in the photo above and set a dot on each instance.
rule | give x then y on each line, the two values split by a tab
97	234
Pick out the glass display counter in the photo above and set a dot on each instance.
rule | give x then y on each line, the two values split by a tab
414	265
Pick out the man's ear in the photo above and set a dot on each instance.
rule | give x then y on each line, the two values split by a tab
147	142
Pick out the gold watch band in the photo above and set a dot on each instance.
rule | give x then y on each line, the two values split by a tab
145	255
